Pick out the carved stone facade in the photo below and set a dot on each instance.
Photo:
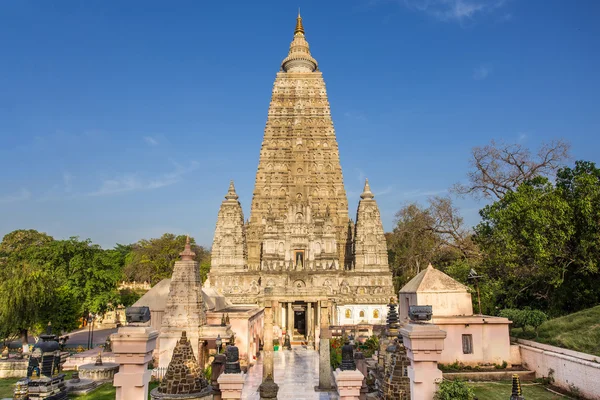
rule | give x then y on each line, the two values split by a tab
229	245
184	310
300	240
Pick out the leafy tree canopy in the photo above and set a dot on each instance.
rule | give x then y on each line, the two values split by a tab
151	260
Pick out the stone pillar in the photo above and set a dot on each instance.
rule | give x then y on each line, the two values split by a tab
324	361
217	367
133	346
310	323
349	383
290	320
424	344
268	342
268	388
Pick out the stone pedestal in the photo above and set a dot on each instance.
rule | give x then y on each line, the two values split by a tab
217	368
424	344
100	373
348	384
133	347
231	385
361	365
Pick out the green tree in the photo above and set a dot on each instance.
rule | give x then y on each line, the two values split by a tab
542	241
412	244
58	281
525	237
153	260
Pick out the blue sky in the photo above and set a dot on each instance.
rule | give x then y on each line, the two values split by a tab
125	120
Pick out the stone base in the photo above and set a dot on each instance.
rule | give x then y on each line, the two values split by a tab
100	373
348	384
13	368
84	386
205	394
46	388
231	385
86	357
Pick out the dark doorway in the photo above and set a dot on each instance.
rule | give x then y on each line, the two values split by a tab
300	322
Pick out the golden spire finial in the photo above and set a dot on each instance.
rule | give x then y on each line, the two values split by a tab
299	27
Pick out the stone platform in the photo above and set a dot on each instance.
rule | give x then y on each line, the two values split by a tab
84	386
87	357
99	373
296	372
13	368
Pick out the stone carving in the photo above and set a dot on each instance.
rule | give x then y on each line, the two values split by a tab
299	226
183	376
229	244
347	357
184	310
232	365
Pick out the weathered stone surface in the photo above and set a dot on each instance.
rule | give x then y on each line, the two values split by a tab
184	310
299	238
183	376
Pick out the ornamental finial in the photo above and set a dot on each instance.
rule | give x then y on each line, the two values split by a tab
299	27
367	194
187	254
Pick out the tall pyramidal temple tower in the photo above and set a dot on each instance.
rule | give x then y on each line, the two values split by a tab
299	238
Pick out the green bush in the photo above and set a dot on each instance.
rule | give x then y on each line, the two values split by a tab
454	390
523	318
370	346
335	352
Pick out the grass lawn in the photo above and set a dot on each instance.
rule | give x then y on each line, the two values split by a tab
502	391
7	387
579	331
104	392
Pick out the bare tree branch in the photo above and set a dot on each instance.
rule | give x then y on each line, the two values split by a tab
499	168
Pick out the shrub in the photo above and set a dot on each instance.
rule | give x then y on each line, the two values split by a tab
454	390
523	318
370	346
335	352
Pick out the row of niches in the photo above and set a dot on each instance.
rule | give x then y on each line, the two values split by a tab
313	265
292	112
276	144
361	313
328	246
307	131
288	121
307	101
310	167
311	92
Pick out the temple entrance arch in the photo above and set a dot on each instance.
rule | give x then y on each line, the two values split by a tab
300	323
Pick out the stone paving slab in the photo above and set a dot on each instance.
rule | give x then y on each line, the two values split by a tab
296	372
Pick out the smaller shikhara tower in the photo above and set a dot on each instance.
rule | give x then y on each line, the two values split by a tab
299	239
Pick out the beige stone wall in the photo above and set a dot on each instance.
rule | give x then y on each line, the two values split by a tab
491	341
443	304
570	367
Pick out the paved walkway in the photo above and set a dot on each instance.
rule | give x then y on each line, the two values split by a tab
296	372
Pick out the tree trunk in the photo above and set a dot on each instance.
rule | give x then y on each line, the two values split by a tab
25	341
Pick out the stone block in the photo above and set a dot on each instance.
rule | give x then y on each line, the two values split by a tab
231	385
348	384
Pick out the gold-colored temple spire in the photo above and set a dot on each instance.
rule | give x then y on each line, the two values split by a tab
299	27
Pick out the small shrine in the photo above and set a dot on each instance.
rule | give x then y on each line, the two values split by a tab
184	378
44	377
